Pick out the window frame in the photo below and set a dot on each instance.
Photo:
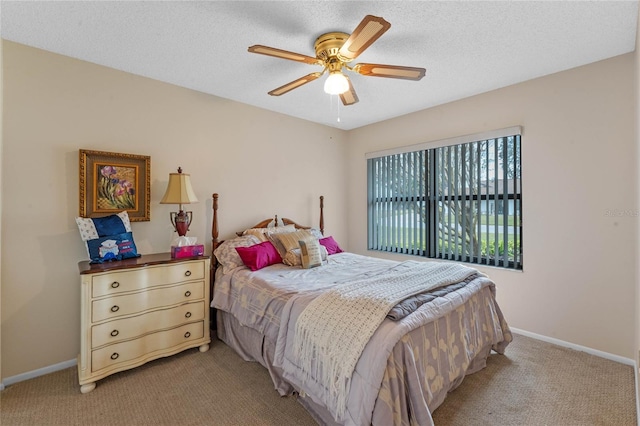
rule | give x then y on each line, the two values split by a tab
506	192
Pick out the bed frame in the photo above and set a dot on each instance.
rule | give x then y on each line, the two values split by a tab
262	224
255	346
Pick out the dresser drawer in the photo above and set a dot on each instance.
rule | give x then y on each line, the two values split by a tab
117	306
141	278
118	353
127	328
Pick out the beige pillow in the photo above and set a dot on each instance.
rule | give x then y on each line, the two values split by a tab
310	253
288	242
262	233
290	246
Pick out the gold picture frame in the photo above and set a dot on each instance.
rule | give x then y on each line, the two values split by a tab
111	182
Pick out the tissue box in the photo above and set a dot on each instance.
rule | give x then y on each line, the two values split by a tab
187	251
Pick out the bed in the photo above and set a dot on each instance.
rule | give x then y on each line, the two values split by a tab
359	340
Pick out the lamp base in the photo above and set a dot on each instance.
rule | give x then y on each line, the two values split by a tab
181	221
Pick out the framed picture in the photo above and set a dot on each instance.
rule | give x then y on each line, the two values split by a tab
112	182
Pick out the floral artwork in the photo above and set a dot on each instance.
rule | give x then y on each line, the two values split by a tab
116	187
111	183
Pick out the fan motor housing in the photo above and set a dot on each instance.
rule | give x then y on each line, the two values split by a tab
328	44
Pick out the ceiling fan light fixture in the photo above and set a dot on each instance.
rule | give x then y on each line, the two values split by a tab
336	83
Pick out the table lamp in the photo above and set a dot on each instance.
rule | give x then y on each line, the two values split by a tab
179	192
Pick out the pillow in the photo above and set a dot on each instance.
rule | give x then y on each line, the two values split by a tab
310	253
228	256
287	242
90	229
316	233
294	257
259	256
112	247
262	233
331	245
291	246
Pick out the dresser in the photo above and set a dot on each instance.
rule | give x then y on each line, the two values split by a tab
136	310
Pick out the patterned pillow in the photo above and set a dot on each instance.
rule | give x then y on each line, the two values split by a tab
228	256
90	229
112	247
310	253
93	229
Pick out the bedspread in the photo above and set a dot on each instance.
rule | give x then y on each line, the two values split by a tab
333	329
452	342
256	298
402	383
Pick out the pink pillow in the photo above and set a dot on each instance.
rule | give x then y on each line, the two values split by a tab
331	245
259	256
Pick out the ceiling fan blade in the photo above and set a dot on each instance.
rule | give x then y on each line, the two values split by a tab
295	84
349	97
390	71
368	31
284	54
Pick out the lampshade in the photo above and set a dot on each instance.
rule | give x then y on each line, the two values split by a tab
336	83
179	190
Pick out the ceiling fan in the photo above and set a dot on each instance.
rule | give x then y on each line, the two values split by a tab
334	51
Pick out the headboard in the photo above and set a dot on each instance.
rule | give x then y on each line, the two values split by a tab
262	224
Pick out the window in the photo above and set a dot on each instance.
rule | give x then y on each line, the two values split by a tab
461	201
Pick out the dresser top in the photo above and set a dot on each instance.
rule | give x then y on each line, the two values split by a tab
86	267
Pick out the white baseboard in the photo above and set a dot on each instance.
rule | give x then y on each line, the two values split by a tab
637	394
36	373
591	351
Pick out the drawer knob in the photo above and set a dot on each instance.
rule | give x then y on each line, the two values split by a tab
115	308
187	274
187	315
187	293
115	284
114	333
187	335
114	355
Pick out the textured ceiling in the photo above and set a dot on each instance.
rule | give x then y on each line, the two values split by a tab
467	47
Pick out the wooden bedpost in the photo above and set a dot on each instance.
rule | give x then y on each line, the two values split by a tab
214	227
322	214
214	262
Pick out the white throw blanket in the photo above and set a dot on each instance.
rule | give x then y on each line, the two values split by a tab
334	328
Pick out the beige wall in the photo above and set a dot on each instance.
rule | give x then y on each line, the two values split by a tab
261	164
578	162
